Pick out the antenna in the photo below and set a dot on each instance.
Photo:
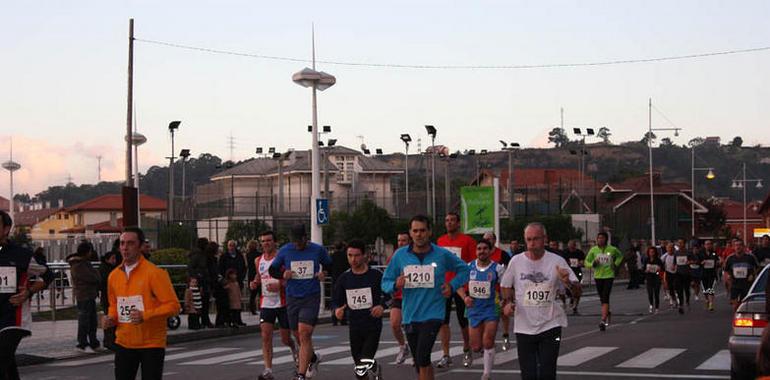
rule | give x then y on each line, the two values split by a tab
99	168
231	145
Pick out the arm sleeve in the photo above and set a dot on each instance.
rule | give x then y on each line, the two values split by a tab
40	268
461	270
379	298
325	259
392	271
589	260
163	291
339	292
113	300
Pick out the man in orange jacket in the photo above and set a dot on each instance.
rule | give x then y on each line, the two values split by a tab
141	299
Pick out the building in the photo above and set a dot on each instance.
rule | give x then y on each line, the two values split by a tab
268	188
734	216
626	208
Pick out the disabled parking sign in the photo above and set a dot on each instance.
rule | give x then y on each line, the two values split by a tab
322	211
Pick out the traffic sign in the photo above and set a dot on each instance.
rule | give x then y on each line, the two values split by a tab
322	211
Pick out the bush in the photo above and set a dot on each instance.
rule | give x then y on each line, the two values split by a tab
174	256
177	235
559	228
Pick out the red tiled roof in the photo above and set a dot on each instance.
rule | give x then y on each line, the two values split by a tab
531	177
114	202
31	217
102	227
734	209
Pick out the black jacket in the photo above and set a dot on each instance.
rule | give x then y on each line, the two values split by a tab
238	263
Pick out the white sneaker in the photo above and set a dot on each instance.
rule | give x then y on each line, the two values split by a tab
445	361
403	352
467	359
312	369
651	309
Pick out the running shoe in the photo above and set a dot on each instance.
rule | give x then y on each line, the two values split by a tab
266	375
711	306
506	342
312	368
298	377
444	362
681	310
651	309
403	352
485	376
602	326
467	358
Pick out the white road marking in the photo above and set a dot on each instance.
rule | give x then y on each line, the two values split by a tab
651	358
583	355
719	362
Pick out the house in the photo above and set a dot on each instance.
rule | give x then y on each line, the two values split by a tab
268	187
544	190
626	207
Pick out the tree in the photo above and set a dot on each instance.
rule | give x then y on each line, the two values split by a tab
666	142
558	137
737	142
604	134
367	222
648	136
244	230
24	198
713	221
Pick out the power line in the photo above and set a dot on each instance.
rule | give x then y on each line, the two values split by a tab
457	67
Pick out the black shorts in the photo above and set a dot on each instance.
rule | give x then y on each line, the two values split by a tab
421	337
303	310
395	303
738	293
271	315
459	310
604	288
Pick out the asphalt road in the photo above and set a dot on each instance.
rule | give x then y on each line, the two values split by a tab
636	346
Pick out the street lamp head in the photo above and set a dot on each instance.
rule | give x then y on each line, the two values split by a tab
710	174
271	150
11	166
483	151
276	156
184	153
378	151
327	128
310	128
590	131
515	145
505	144
306	77
759	184
320	143
137	139
331	143
676	132
431	131
174	125
259	150
577	131
366	151
472	152
406	138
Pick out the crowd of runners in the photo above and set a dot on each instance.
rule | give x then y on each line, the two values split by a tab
529	289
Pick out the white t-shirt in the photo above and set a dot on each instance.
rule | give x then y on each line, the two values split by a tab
268	299
536	283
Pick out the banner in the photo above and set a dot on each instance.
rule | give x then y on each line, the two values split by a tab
477	209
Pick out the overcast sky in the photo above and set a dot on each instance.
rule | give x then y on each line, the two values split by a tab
63	75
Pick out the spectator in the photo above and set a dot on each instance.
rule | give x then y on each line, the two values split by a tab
109	262
251	256
339	266
233	288
233	259
193	303
85	288
203	267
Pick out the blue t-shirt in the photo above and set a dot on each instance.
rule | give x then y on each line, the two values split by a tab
482	286
305	264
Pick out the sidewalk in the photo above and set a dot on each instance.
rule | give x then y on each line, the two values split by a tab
52	341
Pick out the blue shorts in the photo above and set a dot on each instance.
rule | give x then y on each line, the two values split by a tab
482	313
304	310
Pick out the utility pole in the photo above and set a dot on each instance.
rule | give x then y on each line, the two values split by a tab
98	169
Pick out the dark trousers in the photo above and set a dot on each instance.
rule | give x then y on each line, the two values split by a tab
538	354
206	302
682	287
364	343
235	317
223	306
193	321
671	281
87	324
653	291
127	362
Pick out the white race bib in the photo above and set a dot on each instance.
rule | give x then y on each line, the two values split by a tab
708	264
603	259
419	276
7	280
574	263
740	272
303	270
652	268
480	289
681	260
126	305
538	294
694	266
359	298
456	250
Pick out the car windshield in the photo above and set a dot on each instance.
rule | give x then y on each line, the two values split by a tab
760	283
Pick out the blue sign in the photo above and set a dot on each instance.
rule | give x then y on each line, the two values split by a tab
322	211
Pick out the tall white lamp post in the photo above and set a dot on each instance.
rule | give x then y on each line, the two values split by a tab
11	166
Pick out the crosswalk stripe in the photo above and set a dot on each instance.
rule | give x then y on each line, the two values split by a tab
380	354
97	360
289	358
583	355
185	355
506	356
227	358
719	362
651	358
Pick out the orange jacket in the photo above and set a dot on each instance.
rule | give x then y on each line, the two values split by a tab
158	297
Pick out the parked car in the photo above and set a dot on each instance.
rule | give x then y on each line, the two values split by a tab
748	323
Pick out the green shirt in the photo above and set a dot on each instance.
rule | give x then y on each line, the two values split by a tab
605	267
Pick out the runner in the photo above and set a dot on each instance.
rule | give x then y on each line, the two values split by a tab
141	298
696	270
503	258
710	261
464	247
682	258
739	272
653	267
482	303
300	264
576	259
358	291
605	259
272	304
402	240
17	265
529	286
419	269
669	265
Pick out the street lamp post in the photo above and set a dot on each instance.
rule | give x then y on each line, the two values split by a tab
172	126
581	159
329	145
406	139
184	154
136	140
742	184
11	166
510	148
432	133
652	188
710	175
318	81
